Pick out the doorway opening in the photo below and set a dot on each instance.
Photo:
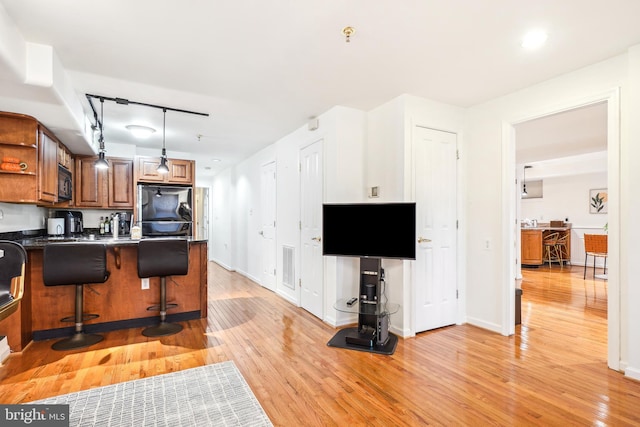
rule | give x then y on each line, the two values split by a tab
516	161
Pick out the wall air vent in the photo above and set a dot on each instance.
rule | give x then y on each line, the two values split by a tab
288	267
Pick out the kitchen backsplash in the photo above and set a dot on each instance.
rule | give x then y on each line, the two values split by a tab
19	217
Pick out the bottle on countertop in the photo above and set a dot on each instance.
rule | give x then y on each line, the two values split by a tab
101	225
107	229
136	232
115	225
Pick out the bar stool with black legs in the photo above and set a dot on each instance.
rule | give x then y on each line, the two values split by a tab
76	264
161	258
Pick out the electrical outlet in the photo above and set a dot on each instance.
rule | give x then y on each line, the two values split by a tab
1	214
145	283
487	244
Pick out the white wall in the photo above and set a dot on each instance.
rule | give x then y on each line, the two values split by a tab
236	203
490	179
21	217
389	165
221	238
629	213
568	197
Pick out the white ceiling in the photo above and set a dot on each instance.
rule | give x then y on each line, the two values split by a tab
570	133
261	69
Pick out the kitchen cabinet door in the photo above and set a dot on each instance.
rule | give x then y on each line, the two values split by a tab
47	167
146	170
531	247
100	188
18	140
90	188
180	171
120	192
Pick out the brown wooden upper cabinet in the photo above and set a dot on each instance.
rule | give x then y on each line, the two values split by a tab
65	158
35	149
180	171
104	188
47	166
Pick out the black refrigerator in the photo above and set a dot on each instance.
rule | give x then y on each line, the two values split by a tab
165	210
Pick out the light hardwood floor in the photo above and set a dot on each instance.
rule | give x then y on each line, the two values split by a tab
551	372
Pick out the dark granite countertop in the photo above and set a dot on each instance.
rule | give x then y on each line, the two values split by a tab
39	242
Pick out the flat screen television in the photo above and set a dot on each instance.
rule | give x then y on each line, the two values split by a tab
376	230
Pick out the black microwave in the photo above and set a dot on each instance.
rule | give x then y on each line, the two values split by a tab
65	184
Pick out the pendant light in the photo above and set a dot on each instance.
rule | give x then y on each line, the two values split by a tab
524	181
101	163
163	168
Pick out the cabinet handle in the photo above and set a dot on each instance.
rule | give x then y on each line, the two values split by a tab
316	239
423	240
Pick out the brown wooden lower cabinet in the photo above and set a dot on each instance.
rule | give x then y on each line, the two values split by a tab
120	301
532	245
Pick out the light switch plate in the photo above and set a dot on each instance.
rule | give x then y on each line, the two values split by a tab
145	283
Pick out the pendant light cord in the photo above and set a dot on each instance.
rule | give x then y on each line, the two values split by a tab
101	124
164	122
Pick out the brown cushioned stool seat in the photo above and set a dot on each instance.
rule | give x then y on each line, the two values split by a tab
75	264
159	257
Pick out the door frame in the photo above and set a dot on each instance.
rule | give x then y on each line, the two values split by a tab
612	97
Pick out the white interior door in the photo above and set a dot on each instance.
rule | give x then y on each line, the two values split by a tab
202	213
311	277
268	224
436	214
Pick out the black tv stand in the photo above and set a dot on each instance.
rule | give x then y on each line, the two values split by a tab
372	333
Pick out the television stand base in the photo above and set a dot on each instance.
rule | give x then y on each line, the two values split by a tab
351	339
361	338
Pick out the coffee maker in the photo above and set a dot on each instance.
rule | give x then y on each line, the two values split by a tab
72	222
124	226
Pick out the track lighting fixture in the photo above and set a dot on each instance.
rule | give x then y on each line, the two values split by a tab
101	163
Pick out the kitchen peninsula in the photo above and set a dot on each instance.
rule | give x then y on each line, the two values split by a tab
532	238
121	302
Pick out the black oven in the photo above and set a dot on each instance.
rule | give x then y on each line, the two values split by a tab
165	210
65	184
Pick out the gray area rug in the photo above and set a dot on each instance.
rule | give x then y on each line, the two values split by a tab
211	395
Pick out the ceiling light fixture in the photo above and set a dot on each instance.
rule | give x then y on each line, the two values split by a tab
141	132
348	32
162	167
534	39
524	180
101	163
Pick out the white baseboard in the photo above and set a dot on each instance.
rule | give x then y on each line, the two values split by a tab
632	373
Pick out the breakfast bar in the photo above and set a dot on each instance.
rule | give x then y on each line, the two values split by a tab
533	238
121	302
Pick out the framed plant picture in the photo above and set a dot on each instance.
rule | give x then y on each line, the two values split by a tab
598	199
